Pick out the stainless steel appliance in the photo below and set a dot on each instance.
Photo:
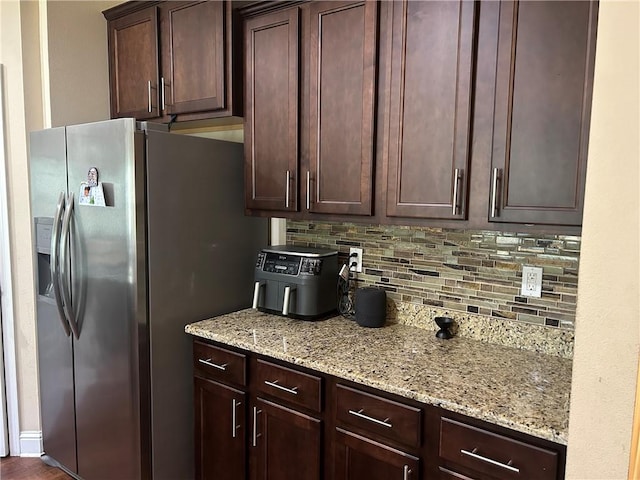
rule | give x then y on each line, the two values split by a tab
116	285
296	281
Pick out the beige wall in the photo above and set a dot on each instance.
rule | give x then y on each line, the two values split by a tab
17	58
608	317
78	66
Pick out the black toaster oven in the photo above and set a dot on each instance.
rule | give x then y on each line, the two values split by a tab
299	282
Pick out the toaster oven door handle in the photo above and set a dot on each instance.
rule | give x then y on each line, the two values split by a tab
256	295
287	295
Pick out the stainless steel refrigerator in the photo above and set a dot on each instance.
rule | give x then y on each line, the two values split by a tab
165	243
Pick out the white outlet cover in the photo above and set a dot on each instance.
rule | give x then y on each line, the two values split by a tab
358	259
531	281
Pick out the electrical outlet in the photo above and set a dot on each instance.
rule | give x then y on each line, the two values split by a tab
357	259
531	281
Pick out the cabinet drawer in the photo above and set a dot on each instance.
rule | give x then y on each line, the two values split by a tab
446	474
219	364
378	415
492	454
290	385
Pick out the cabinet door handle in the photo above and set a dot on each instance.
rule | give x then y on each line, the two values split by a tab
359	414
274	384
406	472
507	466
208	362
456	179
286	193
162	93
494	192
149	95
308	190
256	412
234	404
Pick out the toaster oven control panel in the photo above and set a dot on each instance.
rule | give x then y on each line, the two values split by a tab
288	264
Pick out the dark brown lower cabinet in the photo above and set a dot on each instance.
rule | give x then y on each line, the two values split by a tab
358	457
220	431
287	443
482	453
257	418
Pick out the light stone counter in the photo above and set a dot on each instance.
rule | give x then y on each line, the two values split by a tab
518	389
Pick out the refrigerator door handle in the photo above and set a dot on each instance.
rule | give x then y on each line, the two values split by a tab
53	263
66	280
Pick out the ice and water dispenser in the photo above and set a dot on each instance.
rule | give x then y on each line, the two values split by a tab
44	228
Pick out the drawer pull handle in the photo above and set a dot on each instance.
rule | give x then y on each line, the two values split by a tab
222	367
473	454
406	472
359	414
274	384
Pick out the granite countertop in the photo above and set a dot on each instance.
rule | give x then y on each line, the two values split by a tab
517	389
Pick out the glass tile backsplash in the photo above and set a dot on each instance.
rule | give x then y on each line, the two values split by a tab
463	270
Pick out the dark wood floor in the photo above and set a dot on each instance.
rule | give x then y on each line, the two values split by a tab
22	468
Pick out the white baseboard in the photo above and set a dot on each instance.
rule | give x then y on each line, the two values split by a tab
31	444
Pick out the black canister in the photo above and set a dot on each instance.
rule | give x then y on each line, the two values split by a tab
371	307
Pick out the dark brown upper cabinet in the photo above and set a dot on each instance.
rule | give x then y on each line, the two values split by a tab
194	75
460	113
432	57
542	108
310	101
271	117
133	64
342	77
174	58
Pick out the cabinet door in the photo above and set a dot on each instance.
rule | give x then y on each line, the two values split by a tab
287	443
220	431
194	75
133	65
342	72
542	108
358	458
271	111
430	108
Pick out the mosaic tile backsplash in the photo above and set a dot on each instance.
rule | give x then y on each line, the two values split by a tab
471	271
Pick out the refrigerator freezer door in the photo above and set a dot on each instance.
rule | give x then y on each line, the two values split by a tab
202	251
55	348
104	268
